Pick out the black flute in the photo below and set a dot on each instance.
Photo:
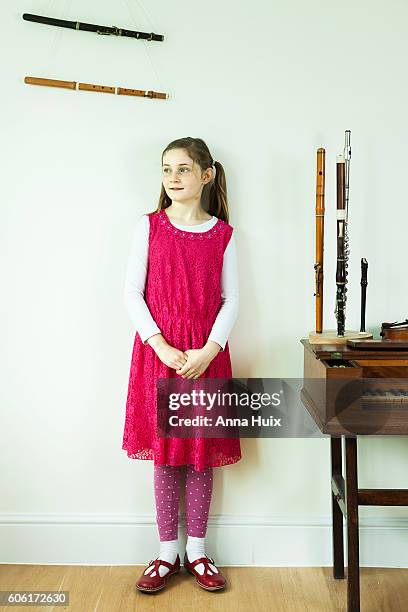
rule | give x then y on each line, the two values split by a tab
90	27
363	283
341	267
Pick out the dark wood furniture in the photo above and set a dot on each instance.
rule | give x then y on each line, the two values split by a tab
350	392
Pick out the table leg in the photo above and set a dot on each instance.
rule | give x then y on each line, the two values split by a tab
353	572
337	514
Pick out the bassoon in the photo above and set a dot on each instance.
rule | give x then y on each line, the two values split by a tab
90	27
341	269
318	267
347	158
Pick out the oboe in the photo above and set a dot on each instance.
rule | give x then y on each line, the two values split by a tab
363	283
320	179
341	270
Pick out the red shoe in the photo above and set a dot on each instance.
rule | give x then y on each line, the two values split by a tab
152	581
209	580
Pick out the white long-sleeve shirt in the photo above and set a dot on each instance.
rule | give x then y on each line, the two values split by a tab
136	280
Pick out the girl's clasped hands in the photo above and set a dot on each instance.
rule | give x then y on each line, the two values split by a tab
190	363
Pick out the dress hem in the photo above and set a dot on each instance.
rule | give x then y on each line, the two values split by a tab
147	455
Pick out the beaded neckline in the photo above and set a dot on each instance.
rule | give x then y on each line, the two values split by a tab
164	221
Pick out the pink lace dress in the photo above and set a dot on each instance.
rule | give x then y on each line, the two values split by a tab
183	294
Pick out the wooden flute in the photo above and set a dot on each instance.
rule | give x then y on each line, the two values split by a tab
120	91
318	267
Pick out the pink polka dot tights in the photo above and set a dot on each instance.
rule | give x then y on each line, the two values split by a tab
197	498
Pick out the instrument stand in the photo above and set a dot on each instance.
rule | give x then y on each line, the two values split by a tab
330	336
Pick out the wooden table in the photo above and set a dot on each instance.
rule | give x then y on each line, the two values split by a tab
320	363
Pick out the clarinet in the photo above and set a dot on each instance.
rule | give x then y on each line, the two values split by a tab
363	283
318	267
90	27
341	268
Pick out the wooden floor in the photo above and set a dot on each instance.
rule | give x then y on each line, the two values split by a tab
111	589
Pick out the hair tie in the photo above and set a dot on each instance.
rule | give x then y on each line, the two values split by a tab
214	162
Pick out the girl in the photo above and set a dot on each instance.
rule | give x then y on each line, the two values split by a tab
181	292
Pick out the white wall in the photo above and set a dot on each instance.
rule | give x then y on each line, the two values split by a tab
265	84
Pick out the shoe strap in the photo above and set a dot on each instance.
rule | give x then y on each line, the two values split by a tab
157	562
204	560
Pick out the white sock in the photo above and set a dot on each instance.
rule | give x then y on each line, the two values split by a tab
168	552
195	549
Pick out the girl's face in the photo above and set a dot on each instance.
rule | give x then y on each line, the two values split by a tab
183	178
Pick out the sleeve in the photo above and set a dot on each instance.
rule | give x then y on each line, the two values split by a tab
135	282
228	313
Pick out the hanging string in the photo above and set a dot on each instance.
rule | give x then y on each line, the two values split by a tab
145	43
53	50
46	65
146	15
58	34
48	6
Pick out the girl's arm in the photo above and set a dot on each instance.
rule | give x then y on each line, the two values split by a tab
135	282
228	313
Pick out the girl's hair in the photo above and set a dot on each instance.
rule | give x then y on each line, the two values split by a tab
214	194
